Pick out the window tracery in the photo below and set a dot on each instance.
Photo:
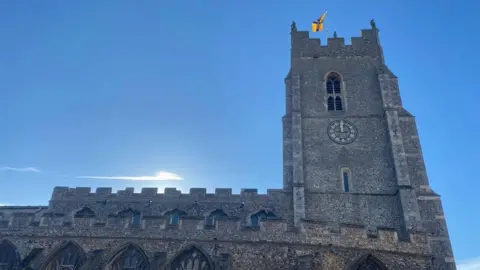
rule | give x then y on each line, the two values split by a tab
130	257
191	259
69	257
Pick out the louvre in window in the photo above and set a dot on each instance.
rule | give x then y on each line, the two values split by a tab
336	86
338	104
329	87
330	104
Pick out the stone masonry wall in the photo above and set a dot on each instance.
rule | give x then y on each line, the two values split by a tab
242	255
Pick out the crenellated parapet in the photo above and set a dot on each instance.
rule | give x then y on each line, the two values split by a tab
102	193
303	46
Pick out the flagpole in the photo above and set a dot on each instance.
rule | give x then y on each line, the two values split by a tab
326	28
326	35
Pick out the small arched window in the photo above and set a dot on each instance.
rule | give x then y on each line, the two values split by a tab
136	216
346	179
334	91
174	216
211	218
257	217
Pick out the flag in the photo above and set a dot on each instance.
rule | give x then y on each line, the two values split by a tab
317	25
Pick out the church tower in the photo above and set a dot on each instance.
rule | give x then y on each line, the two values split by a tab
351	151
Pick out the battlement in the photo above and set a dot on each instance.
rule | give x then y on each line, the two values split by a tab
151	194
367	44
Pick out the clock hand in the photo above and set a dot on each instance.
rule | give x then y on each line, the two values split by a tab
341	126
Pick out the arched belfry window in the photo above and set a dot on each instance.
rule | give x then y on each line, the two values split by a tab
334	92
8	256
69	256
128	257
191	258
368	262
346	177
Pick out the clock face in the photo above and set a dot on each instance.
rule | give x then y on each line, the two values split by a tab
342	131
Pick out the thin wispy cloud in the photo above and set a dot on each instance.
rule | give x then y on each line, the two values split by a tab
472	264
4	204
160	176
23	169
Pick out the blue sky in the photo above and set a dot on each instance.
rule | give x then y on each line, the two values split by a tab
195	88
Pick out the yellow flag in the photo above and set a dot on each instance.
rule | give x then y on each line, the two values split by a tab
317	25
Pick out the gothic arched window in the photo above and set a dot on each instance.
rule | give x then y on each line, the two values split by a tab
257	217
191	258
334	91
368	262
211	219
346	176
69	256
8	255
129	257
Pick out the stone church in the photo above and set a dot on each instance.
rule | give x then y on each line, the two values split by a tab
355	191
